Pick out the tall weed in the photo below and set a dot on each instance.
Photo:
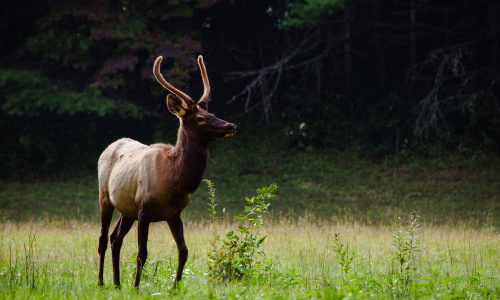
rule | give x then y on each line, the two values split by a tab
343	255
233	256
406	242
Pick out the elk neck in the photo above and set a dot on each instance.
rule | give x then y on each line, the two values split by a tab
191	160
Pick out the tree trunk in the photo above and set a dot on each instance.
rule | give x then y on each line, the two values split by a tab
347	52
413	42
377	40
494	20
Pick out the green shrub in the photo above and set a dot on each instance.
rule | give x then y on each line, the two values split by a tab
406	241
344	256
234	255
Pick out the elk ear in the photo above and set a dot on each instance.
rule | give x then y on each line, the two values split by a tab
175	106
203	104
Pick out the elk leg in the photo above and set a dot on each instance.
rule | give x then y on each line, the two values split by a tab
106	215
122	228
177	230
142	254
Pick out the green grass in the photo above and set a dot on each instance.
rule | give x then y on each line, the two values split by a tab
49	230
52	261
319	184
55	199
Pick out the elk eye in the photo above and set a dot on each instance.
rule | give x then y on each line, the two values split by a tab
200	119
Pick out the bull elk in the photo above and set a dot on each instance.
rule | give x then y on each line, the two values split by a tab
154	183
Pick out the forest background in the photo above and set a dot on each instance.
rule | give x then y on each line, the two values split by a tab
356	108
383	79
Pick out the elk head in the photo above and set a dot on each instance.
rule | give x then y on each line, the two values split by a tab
198	124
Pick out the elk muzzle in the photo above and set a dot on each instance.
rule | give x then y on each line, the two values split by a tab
231	130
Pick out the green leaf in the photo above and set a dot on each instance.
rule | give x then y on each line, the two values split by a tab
29	93
449	279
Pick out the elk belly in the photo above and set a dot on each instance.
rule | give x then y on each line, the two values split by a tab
127	208
122	193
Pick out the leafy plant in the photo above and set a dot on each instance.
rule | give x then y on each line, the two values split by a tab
211	207
344	257
434	285
406	241
233	256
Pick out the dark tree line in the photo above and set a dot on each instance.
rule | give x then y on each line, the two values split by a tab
384	77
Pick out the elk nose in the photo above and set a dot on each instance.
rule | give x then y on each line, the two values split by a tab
233	126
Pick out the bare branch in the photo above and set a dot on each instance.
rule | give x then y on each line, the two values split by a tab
271	75
450	89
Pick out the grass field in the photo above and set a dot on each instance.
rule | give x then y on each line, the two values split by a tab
323	185
56	261
49	230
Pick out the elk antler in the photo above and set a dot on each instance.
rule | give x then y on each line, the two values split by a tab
168	86
206	84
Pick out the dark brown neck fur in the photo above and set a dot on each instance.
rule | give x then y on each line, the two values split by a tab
191	161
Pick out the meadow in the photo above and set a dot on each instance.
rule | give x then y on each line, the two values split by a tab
55	261
340	227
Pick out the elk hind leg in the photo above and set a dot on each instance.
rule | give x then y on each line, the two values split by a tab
122	228
106	214
142	253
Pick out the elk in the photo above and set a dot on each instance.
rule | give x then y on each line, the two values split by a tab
154	183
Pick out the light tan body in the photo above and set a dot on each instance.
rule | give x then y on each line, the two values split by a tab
132	174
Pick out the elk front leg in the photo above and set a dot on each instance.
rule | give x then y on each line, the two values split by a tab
177	230
106	215
122	228
142	254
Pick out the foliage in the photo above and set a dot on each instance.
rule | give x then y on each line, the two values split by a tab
44	119
410	282
211	208
31	94
406	242
233	256
343	255
85	66
390	97
309	12
381	78
113	39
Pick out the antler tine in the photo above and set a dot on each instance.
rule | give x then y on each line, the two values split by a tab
168	86
206	83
